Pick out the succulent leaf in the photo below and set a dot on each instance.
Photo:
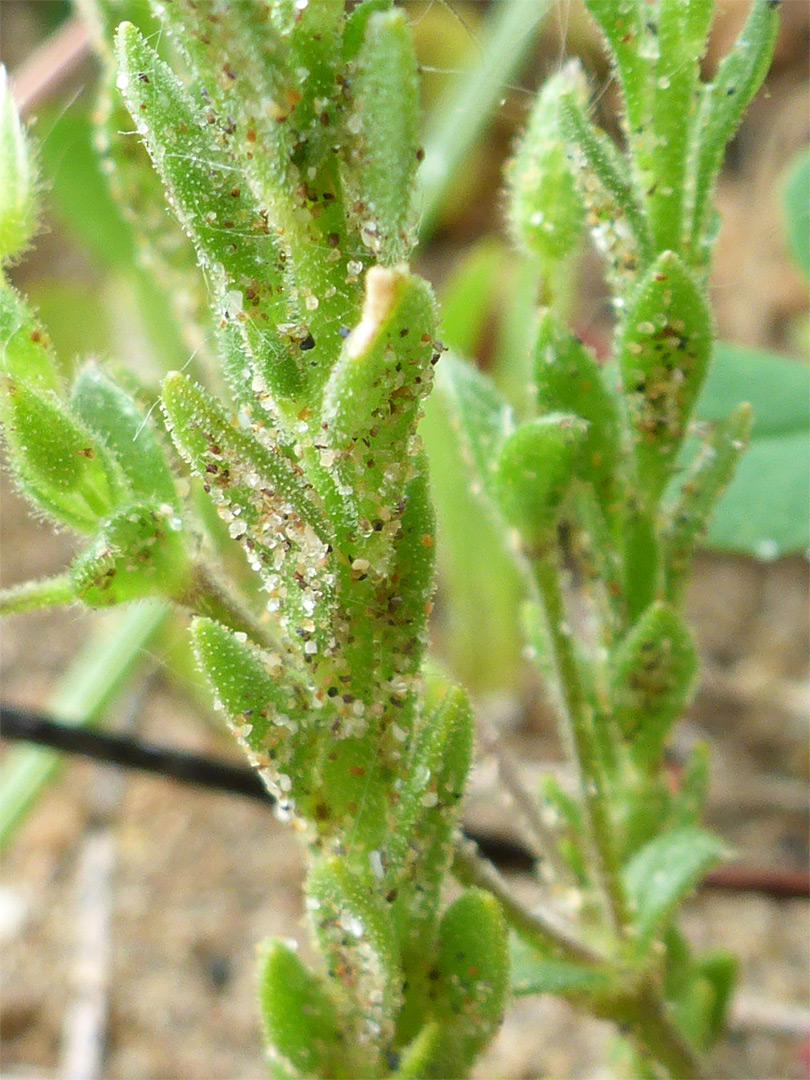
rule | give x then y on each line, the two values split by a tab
299	1017
130	435
138	551
535	469
60	465
663	346
653	672
18	179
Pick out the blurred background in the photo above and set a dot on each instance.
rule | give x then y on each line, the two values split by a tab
130	906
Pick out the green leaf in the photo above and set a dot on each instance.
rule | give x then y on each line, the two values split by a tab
535	469
60	464
723	103
765	510
264	703
472	971
568	378
18	178
382	156
435	1054
533	973
719	969
663	345
545	209
26	353
652	676
476	571
686	516
214	205
482	419
777	388
299	1018
662	873
796	210
354	932
139	551
617	222
114	415
72	165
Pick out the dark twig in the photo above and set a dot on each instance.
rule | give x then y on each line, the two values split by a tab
131	753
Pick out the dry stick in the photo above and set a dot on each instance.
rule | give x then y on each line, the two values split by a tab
57	58
544	841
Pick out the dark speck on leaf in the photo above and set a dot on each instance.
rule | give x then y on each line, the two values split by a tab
307	343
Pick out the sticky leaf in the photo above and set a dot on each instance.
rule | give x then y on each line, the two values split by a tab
382	155
18	178
139	551
535	468
354	932
687	516
663	346
616	219
652	674
214	205
115	416
264	703
721	108
545	209
60	465
427	809
299	1017
385	366
264	497
568	378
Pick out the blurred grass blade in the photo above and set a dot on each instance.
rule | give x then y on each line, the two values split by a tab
91	684
453	130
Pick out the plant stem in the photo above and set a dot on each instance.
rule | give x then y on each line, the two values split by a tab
582	739
471	869
657	1037
207	596
31	595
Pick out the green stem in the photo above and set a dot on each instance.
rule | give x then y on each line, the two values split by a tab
658	1038
455	128
579	724
533	926
94	679
31	595
205	595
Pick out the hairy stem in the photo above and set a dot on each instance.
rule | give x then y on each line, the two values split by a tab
579	725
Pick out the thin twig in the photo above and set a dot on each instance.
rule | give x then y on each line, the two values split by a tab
56	59
541	927
543	839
